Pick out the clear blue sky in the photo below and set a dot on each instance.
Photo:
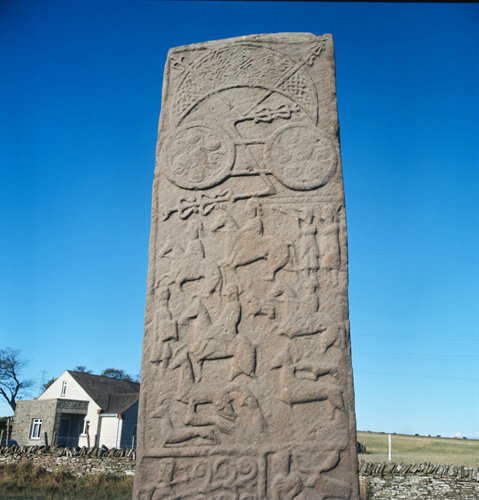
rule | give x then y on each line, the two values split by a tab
80	96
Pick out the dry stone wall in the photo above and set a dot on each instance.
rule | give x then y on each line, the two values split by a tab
422	481
77	461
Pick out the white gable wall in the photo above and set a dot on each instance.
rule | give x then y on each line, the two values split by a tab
110	431
75	391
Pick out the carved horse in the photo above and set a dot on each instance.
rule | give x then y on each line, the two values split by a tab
247	244
225	398
185	268
195	393
308	388
248	248
220	339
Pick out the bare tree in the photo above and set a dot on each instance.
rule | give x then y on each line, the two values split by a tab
11	383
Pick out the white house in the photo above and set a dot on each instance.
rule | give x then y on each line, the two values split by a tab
80	409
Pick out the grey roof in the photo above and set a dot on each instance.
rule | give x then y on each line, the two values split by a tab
119	403
102	389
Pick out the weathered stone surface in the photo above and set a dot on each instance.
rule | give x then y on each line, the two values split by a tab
247	387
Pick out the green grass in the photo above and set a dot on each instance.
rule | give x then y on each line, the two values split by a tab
414	449
27	482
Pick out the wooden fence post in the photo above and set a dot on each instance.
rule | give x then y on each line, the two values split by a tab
389	448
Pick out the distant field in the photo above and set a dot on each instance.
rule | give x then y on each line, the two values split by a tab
413	449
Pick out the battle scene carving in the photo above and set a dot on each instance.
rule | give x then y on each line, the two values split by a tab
246	376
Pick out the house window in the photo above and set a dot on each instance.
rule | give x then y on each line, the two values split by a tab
86	427
64	388
36	427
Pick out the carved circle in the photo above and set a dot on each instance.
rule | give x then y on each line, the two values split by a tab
222	470
198	156
247	468
201	469
301	157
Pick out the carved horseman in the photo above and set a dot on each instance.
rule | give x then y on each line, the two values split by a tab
219	339
191	264
251	245
249	233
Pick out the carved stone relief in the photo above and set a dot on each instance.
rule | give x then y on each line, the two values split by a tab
246	375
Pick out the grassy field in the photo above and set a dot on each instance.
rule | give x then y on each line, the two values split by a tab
26	482
413	449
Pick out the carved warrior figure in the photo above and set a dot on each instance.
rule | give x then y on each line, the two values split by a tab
219	339
307	245
251	245
190	264
301	314
247	389
286	485
331	254
173	432
226	401
292	481
166	329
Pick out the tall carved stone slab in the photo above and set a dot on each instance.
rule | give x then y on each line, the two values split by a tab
247	386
